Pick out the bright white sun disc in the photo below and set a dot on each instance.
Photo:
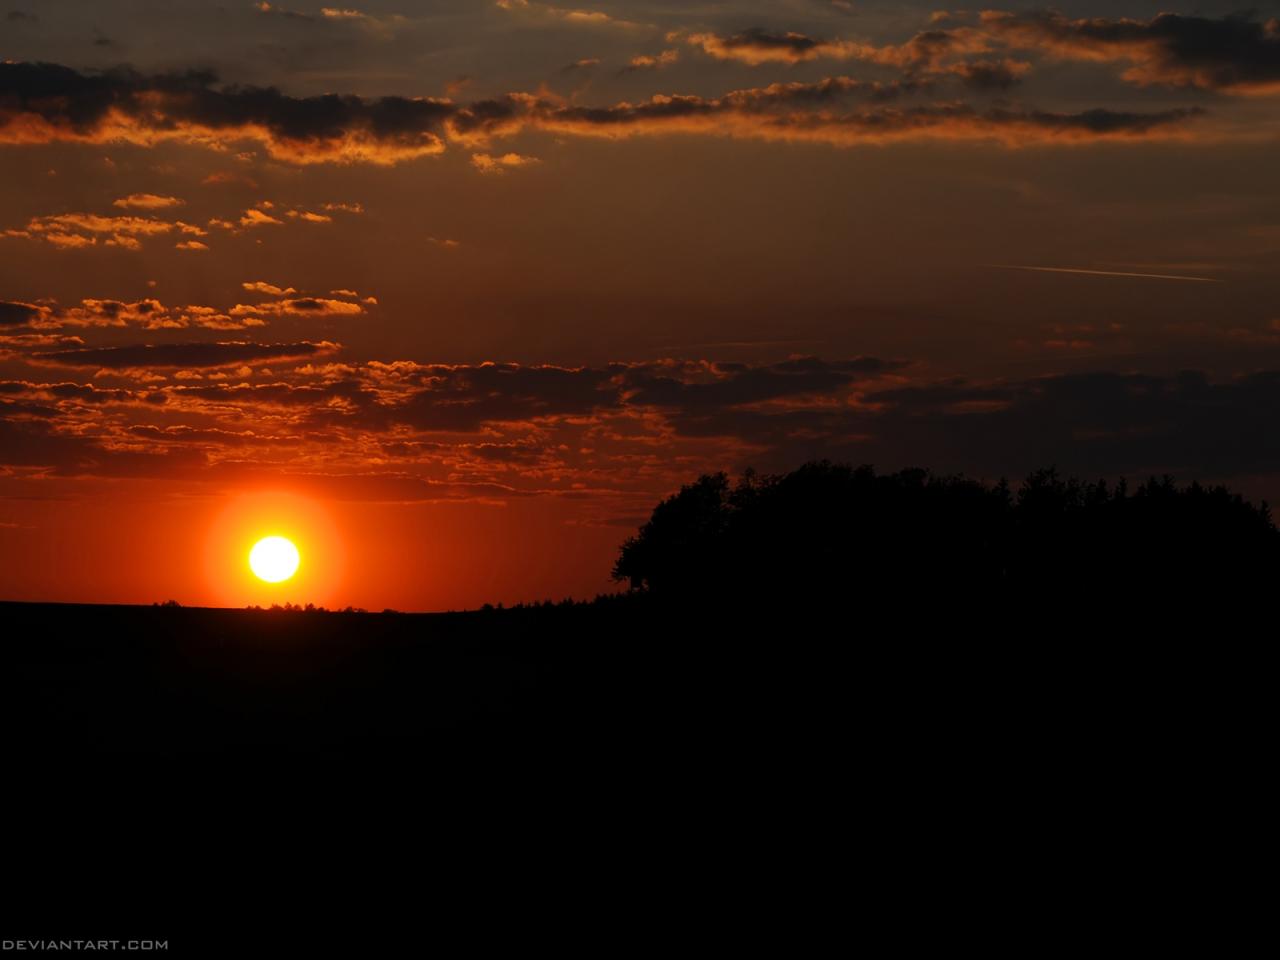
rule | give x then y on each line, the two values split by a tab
273	559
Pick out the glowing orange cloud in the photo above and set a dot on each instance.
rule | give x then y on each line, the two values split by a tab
923	51
1233	54
352	129
147	201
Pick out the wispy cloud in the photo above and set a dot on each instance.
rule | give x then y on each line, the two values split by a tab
1107	273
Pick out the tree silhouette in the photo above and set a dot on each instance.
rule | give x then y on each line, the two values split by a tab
826	529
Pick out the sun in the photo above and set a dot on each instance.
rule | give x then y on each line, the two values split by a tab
273	559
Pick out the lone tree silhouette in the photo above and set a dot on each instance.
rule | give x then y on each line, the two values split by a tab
817	532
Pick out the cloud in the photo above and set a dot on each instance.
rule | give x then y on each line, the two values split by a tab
1099	423
501	164
463	398
92	223
990	74
270	289
757	46
930	54
221	321
749	114
189	355
1234	54
41	103
69	241
254	217
932	51
79	393
147	201
37	442
619	432
334	17
222	176
719	386
572	16
147	314
191	245
15	313
815	112
26	341
309	217
75	230
301	307
652	62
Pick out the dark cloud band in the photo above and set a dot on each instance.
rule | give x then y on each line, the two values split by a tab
41	103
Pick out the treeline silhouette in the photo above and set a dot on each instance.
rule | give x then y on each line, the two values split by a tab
834	533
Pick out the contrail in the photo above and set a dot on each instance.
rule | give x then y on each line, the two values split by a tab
1108	273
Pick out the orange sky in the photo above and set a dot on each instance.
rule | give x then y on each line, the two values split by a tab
467	287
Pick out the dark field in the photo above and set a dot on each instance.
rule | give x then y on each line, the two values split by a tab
624	682
160	758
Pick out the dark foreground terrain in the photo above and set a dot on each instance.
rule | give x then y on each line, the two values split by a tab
938	706
162	760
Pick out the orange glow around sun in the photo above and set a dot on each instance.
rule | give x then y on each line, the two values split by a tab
274	547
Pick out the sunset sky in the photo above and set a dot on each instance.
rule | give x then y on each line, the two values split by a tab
453	292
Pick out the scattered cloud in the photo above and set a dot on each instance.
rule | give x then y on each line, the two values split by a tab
757	46
500	164
147	201
224	177
568	15
627	429
301	307
69	241
253	217
270	289
92	223
309	217
653	61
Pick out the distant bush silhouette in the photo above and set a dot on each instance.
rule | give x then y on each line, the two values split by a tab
833	531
